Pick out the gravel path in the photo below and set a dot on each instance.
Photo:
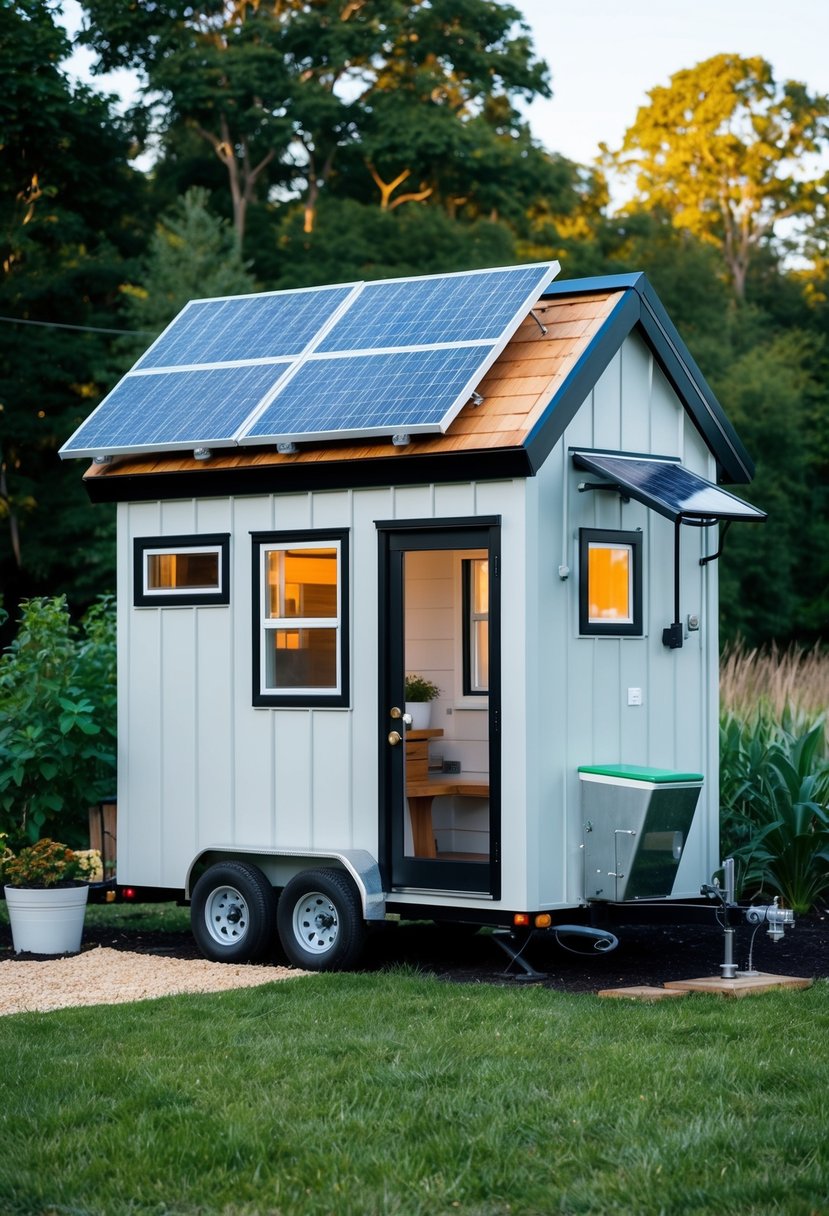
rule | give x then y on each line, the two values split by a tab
111	977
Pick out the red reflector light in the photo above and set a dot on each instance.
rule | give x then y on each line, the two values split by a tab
128	892
521	918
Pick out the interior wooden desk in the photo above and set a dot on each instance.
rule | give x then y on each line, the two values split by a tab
421	794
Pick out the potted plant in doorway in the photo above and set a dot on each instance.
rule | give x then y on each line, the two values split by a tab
419	695
46	887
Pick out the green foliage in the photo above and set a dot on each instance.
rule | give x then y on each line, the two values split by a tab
774	800
192	255
722	150
418	688
436	1098
71	212
57	720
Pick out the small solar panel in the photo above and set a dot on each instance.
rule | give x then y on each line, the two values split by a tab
349	359
665	485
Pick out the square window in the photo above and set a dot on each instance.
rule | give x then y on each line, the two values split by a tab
610	583
181	571
300	619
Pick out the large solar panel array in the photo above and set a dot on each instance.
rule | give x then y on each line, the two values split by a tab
400	355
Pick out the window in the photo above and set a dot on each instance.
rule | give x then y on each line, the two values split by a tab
475	576
610	583
181	570
300	622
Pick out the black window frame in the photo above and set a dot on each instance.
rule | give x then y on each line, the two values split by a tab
190	597
311	537
614	629
467	636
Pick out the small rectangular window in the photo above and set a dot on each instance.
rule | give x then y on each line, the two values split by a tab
181	570
300	635
610	583
475	626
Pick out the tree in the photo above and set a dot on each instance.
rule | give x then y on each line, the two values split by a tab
71	213
722	150
192	255
281	91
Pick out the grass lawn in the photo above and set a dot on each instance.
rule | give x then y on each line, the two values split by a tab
396	1093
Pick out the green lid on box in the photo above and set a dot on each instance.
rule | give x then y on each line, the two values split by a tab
635	772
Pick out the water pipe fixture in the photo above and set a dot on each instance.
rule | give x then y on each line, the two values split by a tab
772	914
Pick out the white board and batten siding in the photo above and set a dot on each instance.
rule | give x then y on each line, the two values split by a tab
578	711
204	767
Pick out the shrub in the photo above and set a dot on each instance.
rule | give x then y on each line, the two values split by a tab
58	722
418	688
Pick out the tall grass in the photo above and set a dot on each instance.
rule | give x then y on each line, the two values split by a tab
770	683
399	1095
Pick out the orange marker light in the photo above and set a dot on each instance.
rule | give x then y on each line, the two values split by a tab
543	920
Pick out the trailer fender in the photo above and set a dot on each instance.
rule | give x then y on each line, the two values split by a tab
280	865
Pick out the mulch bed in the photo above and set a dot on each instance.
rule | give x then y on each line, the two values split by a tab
646	954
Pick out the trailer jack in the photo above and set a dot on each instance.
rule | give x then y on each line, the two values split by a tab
514	945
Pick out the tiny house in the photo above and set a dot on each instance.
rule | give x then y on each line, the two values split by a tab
507	485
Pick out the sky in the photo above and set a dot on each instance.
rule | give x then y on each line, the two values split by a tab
604	56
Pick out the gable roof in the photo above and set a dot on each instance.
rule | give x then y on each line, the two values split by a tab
530	395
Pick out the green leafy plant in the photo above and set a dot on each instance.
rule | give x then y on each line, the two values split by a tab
774	789
418	688
57	720
46	864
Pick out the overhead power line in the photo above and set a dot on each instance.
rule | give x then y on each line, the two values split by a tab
89	329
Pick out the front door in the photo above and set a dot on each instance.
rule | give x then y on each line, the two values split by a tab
440	780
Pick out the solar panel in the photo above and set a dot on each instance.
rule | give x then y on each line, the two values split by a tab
467	307
369	393
349	359
163	411
666	486
272	325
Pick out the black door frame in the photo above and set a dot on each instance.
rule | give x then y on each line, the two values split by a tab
395	538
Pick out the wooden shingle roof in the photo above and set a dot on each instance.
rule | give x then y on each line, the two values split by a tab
529	394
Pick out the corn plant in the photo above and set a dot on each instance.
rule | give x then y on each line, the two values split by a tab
774	790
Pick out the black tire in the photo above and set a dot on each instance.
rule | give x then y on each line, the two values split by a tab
320	921
233	912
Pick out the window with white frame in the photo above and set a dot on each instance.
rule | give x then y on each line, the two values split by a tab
181	571
300	622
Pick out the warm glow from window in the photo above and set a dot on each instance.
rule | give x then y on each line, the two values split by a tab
610	583
187	571
302	583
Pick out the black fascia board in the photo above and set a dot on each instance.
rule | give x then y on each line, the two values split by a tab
495	464
673	356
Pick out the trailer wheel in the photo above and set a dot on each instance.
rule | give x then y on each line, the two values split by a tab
233	912
320	920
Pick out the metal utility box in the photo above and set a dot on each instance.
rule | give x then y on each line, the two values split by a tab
636	822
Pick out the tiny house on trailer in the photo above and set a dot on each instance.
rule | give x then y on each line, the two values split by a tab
507	485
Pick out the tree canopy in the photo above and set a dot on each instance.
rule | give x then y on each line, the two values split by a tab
723	151
299	142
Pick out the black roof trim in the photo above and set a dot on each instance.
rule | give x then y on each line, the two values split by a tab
673	356
495	464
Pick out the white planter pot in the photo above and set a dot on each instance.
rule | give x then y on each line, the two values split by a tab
48	921
420	713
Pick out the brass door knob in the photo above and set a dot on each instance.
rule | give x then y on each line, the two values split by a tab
394	738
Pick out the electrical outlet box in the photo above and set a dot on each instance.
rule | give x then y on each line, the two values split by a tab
634	696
